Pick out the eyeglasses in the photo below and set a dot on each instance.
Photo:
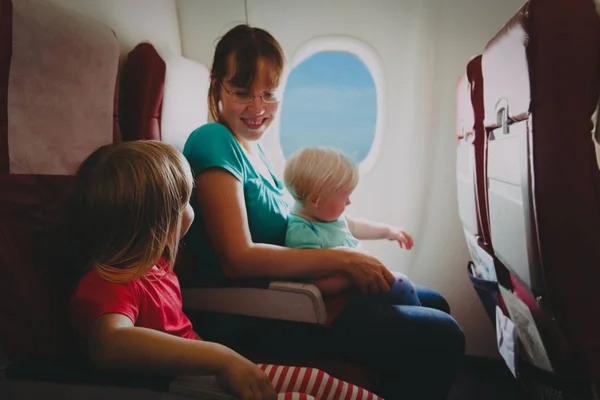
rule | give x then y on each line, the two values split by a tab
244	97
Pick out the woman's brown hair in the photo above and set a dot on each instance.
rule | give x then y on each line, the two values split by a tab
243	45
127	206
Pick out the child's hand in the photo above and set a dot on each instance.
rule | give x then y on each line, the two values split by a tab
245	380
402	237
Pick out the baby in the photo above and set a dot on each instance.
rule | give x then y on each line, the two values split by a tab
321	180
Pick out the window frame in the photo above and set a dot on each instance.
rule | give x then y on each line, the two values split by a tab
374	64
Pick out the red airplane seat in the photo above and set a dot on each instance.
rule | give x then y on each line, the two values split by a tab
471	154
471	188
39	50
540	92
474	75
479	149
465	160
171	118
471	171
157	103
485	287
142	87
507	96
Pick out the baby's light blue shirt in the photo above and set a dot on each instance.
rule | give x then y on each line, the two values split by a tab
305	234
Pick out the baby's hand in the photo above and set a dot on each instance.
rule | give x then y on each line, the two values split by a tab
402	237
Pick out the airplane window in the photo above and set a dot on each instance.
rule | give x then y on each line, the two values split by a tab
330	99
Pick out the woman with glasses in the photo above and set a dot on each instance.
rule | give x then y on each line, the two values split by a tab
239	234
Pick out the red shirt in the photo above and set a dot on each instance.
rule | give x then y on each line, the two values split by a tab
149	301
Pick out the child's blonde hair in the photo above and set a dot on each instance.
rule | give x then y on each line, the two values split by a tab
128	203
319	170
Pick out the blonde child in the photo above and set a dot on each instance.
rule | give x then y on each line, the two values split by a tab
322	180
130	209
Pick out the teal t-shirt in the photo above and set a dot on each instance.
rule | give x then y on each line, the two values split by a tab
305	234
213	145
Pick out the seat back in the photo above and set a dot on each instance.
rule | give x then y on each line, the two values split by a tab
185	104
58	73
506	94
471	171
540	92
479	149
142	88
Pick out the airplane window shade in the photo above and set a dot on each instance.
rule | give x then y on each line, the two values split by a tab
332	97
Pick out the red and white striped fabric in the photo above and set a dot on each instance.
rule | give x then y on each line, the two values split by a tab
294	396
313	384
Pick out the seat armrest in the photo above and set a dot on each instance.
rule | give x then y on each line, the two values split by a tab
81	373
291	301
39	378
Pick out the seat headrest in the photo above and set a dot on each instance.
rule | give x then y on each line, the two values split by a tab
164	96
185	102
475	78
61	88
464	117
506	56
470	99
142	85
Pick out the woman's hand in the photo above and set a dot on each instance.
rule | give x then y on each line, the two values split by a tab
366	271
400	236
245	380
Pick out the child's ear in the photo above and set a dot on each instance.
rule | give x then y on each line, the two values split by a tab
313	200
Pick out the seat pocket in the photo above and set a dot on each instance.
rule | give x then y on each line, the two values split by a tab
488	292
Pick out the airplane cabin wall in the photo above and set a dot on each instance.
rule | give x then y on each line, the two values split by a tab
134	21
203	22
